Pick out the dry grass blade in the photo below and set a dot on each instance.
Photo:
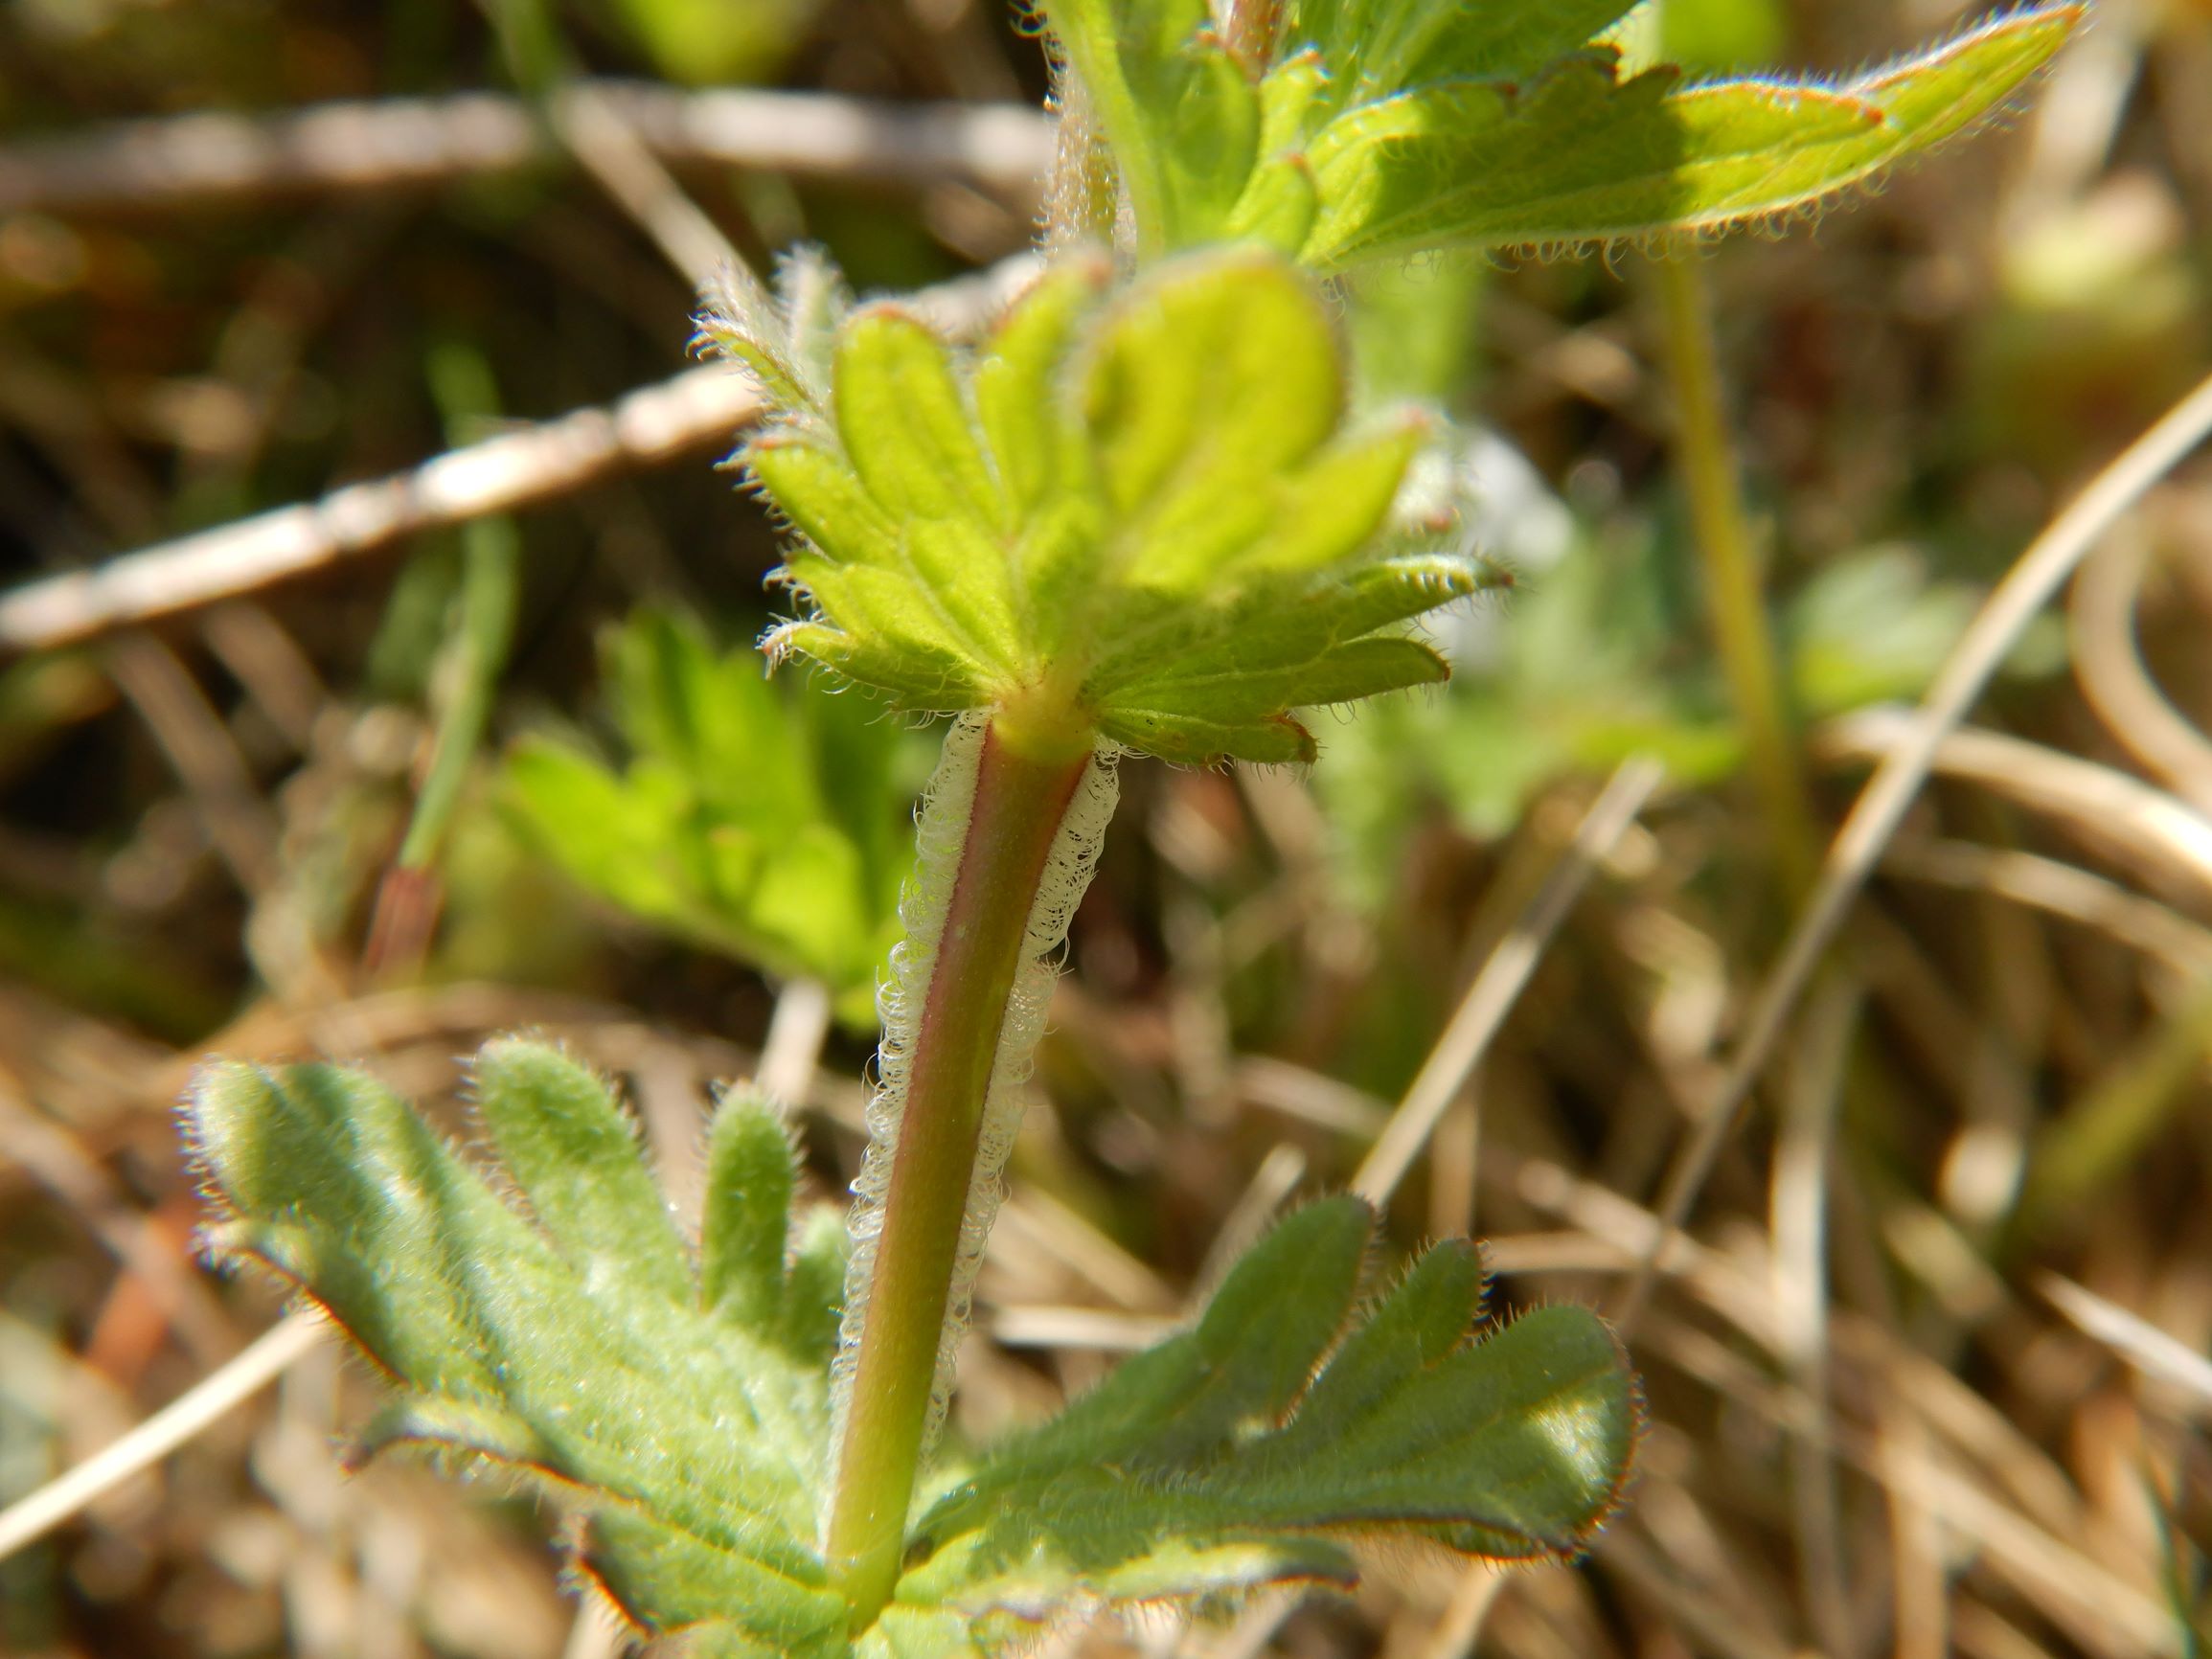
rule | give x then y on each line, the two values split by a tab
1460	1627
2062	890
2157	829
791	1054
160	1434
1085	1328
1881	807
1491	996
2135	1339
1684	1605
515	470
607	144
1798	1226
2109	663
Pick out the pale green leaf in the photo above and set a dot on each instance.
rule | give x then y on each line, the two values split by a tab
745	1224
668	1581
1019	375
577	1159
782	339
547	1343
768	822
1580	157
1389	45
1172	485
815	1287
903	421
1387	128
1183	121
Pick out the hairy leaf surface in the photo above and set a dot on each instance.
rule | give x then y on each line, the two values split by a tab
1145	517
563	1333
1290	1425
571	1345
1387	128
1581	156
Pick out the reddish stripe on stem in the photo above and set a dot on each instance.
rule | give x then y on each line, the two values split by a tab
1020	802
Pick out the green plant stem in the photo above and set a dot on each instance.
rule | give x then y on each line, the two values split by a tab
2080	1152
490	576
1022	797
1734	603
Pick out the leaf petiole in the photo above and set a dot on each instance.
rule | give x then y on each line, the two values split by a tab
1022	796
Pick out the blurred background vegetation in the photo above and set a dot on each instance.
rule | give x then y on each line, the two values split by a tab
1933	1379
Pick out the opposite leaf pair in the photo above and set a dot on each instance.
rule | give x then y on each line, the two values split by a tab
678	1402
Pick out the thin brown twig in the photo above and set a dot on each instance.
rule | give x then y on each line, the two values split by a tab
2037	574
512	470
2063	890
606	142
515	470
33	1516
393	143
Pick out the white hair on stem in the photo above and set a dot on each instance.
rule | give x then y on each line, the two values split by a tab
941	835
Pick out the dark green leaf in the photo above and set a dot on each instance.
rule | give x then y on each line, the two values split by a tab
1223	1458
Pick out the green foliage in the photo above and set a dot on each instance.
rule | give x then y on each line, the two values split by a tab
1142	511
705	42
771	824
1377	128
1286	1428
683	1412
481	628
574	1347
1143	517
1719	33
1588	669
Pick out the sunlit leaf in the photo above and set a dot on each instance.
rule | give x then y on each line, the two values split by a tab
1156	525
572	1345
1287	1425
1393	126
1581	156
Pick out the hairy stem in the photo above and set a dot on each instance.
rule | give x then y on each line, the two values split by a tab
1020	800
1250	29
1083	197
1734	603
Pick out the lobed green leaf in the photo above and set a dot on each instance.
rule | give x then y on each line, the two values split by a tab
745	1224
1143	518
1583	156
691	1429
1387	128
1244	1453
772	824
577	1159
569	1346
